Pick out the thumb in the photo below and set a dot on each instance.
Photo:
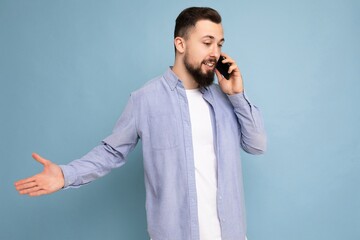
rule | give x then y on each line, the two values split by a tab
40	159
219	76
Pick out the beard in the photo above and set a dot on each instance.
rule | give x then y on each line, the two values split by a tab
201	78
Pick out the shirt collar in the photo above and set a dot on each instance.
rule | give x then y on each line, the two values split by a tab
173	80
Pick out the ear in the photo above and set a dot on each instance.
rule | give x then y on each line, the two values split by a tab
179	43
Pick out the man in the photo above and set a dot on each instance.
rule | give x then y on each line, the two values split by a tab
191	131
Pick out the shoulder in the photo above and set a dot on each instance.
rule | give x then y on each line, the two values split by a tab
149	87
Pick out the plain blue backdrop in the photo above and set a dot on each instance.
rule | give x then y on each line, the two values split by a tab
67	69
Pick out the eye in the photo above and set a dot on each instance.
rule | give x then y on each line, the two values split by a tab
207	43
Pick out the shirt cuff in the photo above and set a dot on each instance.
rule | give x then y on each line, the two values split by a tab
239	100
69	175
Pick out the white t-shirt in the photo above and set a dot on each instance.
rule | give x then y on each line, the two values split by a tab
205	165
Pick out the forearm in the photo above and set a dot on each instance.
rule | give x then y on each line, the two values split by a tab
97	163
253	136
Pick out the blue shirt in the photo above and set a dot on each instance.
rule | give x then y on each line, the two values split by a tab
158	114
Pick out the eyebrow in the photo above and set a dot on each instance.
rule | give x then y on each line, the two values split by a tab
212	37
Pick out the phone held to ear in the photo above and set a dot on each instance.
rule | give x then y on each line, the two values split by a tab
223	67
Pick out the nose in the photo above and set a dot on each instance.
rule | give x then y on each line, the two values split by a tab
215	51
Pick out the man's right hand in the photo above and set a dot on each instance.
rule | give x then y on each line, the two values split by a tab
48	181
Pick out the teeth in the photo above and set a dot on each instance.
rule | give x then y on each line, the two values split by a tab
210	64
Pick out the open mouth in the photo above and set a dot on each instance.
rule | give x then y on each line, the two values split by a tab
210	63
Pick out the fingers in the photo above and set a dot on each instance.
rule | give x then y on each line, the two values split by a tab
45	182
30	190
25	185
230	61
235	83
30	187
234	70
33	191
40	159
225	55
25	181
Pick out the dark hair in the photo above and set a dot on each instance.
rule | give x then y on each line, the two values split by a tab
190	16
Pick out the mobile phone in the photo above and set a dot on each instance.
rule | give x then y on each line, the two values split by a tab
223	67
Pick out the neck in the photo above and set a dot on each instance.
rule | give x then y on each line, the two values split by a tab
180	70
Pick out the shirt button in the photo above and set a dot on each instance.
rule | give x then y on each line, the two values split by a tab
220	197
223	219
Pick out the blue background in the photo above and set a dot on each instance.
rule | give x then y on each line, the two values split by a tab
66	71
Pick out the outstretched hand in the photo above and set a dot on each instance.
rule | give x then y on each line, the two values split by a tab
50	180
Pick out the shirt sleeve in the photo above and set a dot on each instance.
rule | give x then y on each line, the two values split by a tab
253	136
110	154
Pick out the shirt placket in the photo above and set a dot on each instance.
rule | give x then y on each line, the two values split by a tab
220	206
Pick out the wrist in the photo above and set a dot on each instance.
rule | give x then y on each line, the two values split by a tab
235	92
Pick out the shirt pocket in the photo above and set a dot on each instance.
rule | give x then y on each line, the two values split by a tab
163	132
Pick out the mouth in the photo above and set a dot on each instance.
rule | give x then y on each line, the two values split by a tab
210	63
